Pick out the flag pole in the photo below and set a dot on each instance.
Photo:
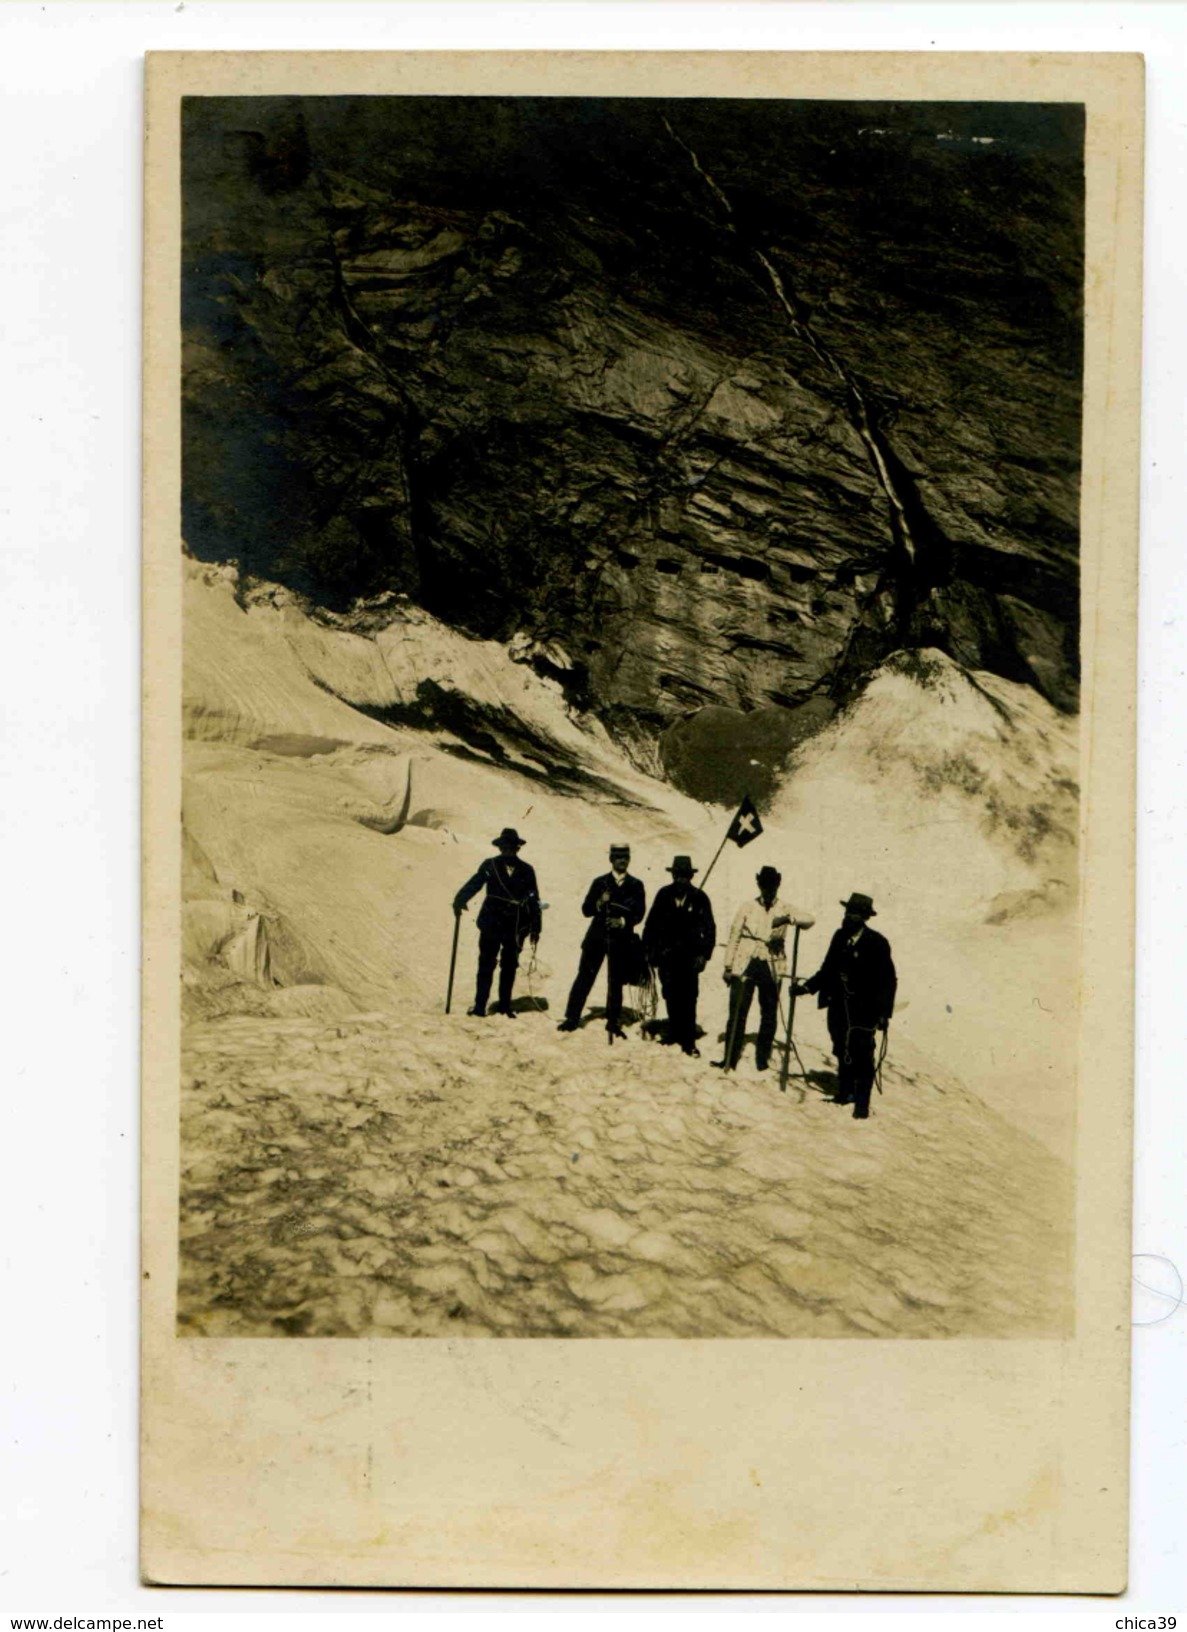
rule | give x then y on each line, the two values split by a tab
713	863
789	1047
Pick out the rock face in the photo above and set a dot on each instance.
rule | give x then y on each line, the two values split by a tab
696	403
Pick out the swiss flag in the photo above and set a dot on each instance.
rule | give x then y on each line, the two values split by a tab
746	824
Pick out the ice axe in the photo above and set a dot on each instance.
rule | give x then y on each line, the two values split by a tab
789	1047
882	1055
457	924
731	1029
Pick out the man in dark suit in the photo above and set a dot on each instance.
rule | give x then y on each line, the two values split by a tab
616	903
678	939
508	916
856	983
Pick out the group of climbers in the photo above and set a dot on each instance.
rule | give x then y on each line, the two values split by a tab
855	983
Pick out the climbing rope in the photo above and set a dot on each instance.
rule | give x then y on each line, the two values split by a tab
529	973
646	1004
850	1028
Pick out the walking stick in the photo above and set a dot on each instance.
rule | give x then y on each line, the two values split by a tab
789	1047
732	1027
457	924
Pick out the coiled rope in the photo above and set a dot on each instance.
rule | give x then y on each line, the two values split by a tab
646	1005
850	1028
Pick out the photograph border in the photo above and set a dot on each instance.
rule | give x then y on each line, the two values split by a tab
991	1465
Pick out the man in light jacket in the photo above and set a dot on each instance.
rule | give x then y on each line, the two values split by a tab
756	961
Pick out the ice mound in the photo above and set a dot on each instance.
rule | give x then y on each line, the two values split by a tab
952	799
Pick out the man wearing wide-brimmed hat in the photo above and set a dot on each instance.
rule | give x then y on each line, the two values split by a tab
756	961
508	916
615	901
678	938
856	983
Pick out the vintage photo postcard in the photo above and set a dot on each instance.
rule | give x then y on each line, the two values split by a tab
640	560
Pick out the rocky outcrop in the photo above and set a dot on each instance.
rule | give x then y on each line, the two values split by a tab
696	403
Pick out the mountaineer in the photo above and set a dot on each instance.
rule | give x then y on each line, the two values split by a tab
508	916
678	940
615	902
856	983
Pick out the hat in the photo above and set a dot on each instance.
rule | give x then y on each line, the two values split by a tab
509	836
768	875
620	849
682	864
860	903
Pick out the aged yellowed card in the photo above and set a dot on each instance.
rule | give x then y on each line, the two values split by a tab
640	560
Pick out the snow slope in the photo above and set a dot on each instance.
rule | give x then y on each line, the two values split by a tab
405	1177
953	801
344	776
355	833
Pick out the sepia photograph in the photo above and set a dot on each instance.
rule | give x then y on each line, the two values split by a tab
631	770
640	554
577	713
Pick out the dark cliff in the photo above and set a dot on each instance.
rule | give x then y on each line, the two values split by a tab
701	403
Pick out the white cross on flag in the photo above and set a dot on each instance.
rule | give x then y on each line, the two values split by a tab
745	825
